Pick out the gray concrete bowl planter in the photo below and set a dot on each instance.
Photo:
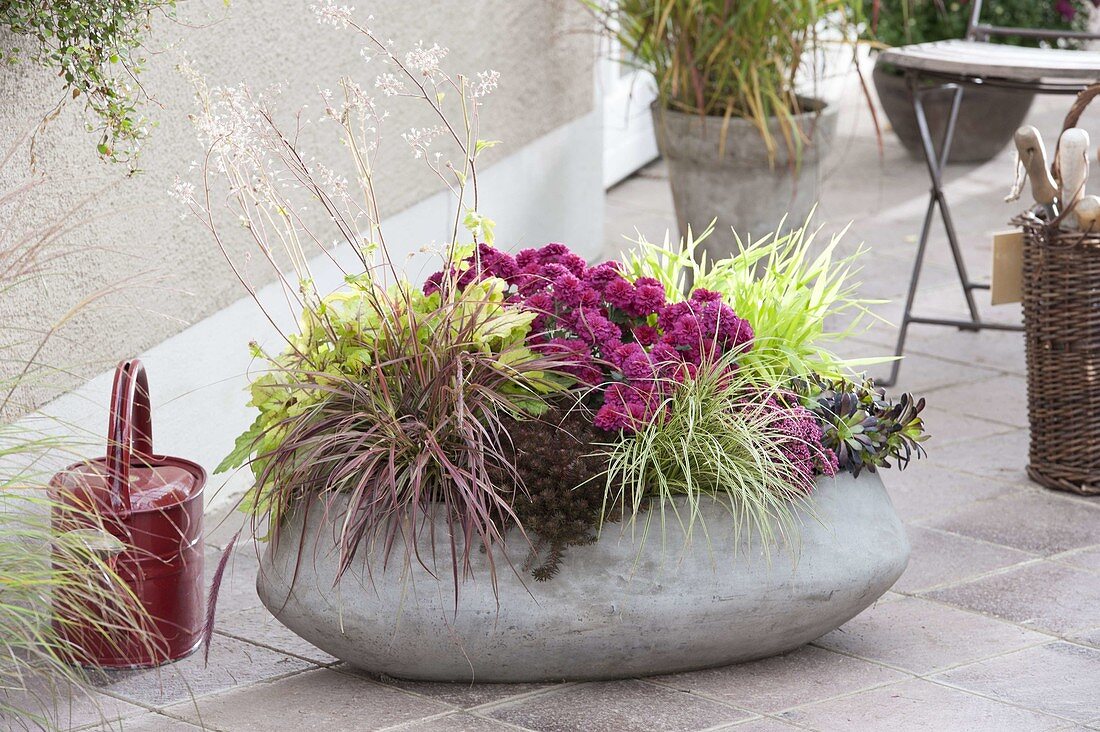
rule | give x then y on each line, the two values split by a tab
739	184
620	607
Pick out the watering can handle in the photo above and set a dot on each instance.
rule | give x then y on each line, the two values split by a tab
129	432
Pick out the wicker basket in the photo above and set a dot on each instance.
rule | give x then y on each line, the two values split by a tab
1061	299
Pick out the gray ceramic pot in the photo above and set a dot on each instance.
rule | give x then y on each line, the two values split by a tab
988	116
617	608
739	185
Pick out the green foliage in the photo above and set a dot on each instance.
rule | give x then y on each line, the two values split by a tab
719	443
51	580
797	302
714	57
348	334
862	426
901	22
95	47
395	398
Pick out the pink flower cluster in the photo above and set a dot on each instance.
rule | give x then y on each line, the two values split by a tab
622	336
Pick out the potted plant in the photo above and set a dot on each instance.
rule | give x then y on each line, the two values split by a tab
741	140
531	467
988	116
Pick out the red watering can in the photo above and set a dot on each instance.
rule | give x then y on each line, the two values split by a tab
147	510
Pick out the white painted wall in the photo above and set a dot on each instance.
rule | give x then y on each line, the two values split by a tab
544	50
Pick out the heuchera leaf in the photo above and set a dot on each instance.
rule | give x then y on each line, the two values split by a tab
243	447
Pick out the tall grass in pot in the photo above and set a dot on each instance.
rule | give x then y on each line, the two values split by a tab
741	140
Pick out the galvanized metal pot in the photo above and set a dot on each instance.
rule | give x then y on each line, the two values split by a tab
153	505
617	608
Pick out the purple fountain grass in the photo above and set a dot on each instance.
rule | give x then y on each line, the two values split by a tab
416	436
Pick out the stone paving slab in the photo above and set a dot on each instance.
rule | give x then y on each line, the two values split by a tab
1087	558
156	722
625	706
922	637
456	722
68	707
1056	678
232	663
928	491
256	625
1044	595
918	704
1037	521
318	699
1090	637
940	558
1001	458
947	427
804	676
463	696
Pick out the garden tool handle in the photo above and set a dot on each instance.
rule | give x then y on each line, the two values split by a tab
129	432
1072	118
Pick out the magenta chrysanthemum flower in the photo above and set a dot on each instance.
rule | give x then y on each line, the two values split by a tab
600	276
569	290
625	339
619	293
595	328
649	296
633	361
701	295
578	358
645	334
625	407
433	282
496	263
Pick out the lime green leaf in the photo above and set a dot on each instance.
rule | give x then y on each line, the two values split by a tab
484	145
243	447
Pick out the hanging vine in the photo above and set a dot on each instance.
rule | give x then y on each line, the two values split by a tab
96	48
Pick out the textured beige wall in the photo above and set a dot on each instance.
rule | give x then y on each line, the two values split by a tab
541	47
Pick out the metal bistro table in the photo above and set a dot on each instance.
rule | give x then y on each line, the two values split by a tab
951	66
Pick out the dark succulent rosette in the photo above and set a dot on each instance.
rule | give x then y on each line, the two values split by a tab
862	426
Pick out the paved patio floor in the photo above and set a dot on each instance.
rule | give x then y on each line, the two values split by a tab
995	625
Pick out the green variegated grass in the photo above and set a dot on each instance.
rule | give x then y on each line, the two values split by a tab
717	444
49	581
799	303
